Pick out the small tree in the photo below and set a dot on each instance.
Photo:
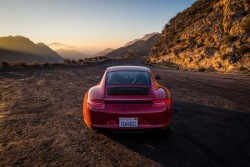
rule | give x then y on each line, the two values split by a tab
46	63
5	64
19	64
67	61
73	62
80	61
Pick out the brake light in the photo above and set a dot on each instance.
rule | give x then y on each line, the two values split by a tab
162	103
96	103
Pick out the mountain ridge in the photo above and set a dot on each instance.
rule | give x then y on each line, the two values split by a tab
19	48
144	38
104	52
138	48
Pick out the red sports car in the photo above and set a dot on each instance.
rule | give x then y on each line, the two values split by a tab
128	98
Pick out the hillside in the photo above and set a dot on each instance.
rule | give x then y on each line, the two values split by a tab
209	35
19	48
138	48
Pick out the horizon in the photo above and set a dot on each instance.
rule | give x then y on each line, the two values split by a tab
88	26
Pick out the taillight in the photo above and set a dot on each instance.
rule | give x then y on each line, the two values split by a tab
162	103
96	103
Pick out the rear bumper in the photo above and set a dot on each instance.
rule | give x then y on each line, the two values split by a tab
146	121
139	128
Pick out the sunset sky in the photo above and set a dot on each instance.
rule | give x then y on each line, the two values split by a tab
90	25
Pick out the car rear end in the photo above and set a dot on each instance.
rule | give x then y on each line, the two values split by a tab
130	103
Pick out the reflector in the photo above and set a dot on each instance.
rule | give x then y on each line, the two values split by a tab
96	103
162	103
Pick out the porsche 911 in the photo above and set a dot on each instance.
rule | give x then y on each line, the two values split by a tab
128	98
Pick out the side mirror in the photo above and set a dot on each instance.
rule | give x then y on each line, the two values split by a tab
98	77
157	77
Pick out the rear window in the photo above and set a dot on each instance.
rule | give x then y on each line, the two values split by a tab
127	78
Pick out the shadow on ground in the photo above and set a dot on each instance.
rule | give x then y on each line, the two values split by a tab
200	136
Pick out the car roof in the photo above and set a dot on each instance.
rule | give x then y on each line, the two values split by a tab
128	68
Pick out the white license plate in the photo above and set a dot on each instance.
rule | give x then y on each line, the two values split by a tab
128	122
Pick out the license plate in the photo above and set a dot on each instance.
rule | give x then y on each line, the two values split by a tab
128	122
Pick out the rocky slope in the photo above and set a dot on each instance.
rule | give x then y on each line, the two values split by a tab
209	35
138	48
19	48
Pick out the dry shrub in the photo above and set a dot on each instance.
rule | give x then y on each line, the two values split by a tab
224	56
34	64
5	64
67	61
19	64
230	38
245	25
201	69
46	64
241	68
244	49
73	62
80	61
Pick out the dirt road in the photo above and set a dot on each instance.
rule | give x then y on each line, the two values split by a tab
41	121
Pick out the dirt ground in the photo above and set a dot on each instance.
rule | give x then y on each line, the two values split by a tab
41	121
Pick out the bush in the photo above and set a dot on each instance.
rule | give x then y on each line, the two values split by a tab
56	64
224	57
46	64
190	59
230	38
200	45
73	62
34	64
245	25
67	61
5	64
19	64
242	68
178	41
80	61
243	49
201	69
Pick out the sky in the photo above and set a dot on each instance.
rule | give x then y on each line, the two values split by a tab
89	25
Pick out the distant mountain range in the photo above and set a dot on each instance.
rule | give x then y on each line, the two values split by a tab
19	48
67	51
137	47
71	54
104	52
